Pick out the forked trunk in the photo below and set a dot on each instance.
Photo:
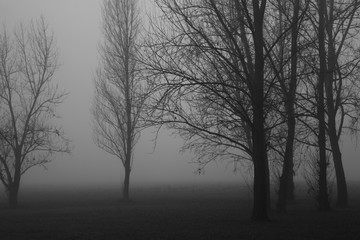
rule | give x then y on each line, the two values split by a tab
14	186
323	198
286	188
342	195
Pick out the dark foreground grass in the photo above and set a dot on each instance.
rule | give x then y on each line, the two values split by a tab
167	213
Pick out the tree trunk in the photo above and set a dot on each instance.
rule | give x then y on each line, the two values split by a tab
268	184
286	189
13	189
342	195
13	195
129	127
126	188
323	199
260	208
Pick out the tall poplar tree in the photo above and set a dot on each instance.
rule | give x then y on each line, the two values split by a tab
118	100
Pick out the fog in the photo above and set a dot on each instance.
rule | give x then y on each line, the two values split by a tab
77	28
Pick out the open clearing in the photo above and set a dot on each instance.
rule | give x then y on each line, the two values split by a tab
169	212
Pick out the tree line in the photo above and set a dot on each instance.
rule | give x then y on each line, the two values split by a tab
268	82
265	82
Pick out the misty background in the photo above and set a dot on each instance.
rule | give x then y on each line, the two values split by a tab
77	28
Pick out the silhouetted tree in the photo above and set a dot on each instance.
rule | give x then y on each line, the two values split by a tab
118	91
323	198
28	98
207	62
287	22
341	28
341	89
230	76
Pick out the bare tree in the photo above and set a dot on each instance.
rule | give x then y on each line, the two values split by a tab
340	61
28	98
342	27
118	91
287	20
207	59
323	198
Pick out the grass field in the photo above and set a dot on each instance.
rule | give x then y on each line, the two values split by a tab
168	212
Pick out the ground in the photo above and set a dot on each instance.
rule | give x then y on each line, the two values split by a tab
217	211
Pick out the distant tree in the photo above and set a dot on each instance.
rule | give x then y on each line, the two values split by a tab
118	91
28	98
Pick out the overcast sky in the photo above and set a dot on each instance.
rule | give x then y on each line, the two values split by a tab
77	26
